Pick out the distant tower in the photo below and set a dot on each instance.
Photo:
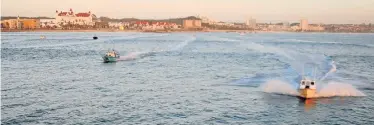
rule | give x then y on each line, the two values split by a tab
18	23
251	23
304	24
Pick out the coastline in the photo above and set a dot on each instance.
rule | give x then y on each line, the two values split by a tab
112	30
161	31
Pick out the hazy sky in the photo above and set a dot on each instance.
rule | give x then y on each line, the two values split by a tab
316	11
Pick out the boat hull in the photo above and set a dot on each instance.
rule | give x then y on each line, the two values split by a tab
307	93
108	59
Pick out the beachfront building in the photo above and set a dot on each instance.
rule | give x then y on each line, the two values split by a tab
224	24
21	23
157	25
141	23
64	18
295	28
191	23
115	24
119	25
286	24
10	24
100	25
316	27
48	23
30	23
251	23
207	20
304	25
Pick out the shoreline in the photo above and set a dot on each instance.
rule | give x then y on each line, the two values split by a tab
161	31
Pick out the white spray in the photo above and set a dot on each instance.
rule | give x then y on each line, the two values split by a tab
297	62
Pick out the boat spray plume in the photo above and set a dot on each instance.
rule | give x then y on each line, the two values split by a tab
306	65
278	87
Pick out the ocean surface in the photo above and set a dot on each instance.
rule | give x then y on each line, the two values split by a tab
186	78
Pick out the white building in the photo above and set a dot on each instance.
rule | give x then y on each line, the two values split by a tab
115	24
205	19
251	23
295	28
48	23
286	24
72	18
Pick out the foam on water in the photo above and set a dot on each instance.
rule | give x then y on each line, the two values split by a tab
183	44
305	41
134	55
313	66
299	62
338	89
135	37
279	87
332	89
66	85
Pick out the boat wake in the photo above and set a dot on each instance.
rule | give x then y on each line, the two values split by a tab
320	68
279	87
142	54
331	89
339	89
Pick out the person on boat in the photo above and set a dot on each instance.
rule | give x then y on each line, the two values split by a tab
116	54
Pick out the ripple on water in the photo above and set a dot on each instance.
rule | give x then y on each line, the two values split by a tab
177	78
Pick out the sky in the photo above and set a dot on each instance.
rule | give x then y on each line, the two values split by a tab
265	11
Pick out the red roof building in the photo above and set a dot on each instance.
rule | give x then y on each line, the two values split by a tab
71	13
85	18
62	13
82	14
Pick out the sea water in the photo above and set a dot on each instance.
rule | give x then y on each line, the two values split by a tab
186	78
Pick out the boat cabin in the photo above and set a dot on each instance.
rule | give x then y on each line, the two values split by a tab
307	84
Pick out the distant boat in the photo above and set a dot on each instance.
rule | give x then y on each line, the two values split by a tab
42	37
111	56
95	37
